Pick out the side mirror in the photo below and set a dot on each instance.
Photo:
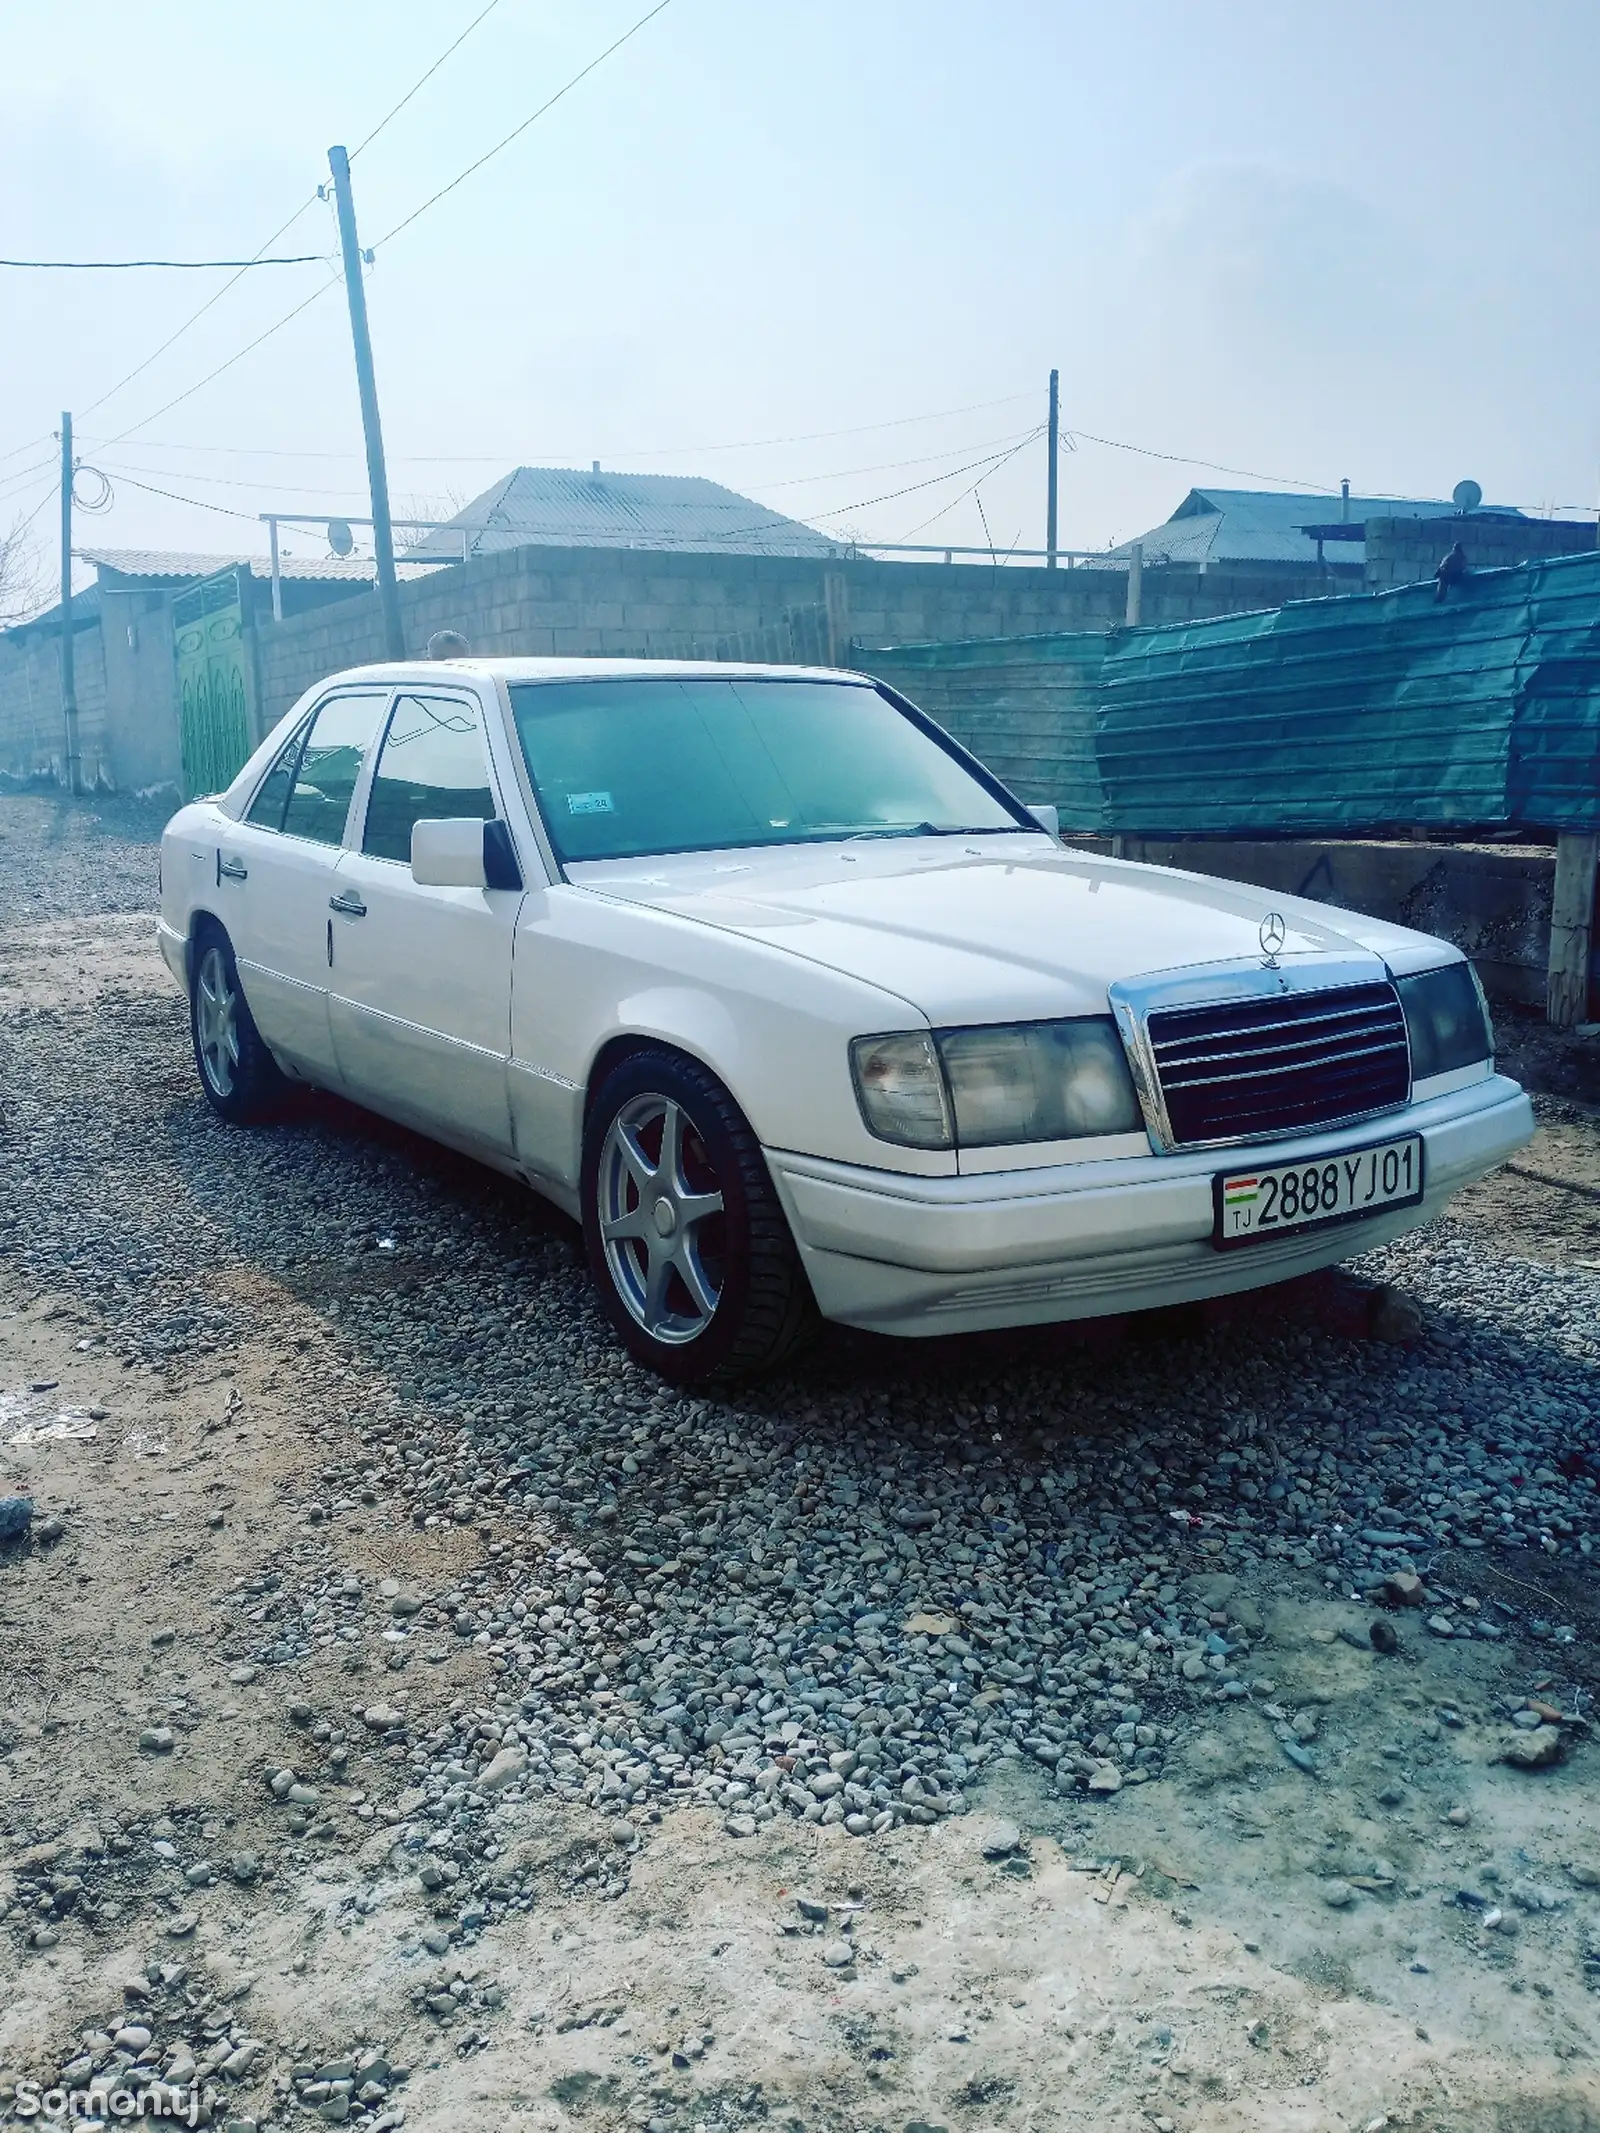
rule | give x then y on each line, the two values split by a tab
1048	819
448	855
466	854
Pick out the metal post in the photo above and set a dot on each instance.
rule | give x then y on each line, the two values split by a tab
1053	470
1135	583
394	643
69	687
277	575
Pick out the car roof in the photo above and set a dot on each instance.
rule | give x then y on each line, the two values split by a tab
397	672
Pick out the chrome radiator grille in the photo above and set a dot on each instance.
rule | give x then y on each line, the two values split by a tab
1239	1069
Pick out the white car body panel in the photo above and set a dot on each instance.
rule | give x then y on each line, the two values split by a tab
479	1016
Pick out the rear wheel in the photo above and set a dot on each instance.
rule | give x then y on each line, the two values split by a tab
241	1079
686	1240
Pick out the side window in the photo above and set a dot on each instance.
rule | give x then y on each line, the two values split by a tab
266	809
341	733
432	767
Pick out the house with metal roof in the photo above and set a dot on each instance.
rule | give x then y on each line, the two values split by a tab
1212	527
562	507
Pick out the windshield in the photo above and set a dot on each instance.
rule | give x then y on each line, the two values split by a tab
629	767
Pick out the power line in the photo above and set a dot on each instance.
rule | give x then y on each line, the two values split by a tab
237	356
973	491
199	503
107	266
490	153
657	451
1181	459
422	80
216	297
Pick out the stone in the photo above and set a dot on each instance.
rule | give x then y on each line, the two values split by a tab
838	1954
1395	1320
1404	1589
382	1717
1458	1816
1337	1893
1105	1778
1440	1626
812	1910
156	1740
738	1825
245	1868
1002	1840
1534	1751
242	1676
505	1770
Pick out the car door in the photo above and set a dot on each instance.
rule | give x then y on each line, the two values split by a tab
420	982
275	872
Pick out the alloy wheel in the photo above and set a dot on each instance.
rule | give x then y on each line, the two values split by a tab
216	1021
662	1223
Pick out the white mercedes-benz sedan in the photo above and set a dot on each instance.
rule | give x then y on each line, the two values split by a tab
774	987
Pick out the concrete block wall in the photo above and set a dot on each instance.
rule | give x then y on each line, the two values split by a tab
1493	902
32	730
1403	551
641	603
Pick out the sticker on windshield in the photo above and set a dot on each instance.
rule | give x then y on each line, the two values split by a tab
590	803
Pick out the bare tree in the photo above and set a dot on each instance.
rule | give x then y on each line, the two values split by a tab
21	575
434	507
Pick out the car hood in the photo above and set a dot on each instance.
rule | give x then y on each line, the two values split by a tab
991	928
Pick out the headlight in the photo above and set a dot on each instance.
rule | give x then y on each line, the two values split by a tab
901	1090
1447	1020
994	1087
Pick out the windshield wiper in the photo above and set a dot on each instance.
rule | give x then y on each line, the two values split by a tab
936	829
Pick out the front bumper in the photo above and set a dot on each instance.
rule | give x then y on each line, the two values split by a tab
912	1255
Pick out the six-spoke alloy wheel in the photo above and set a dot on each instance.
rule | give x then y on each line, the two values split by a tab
239	1075
686	1240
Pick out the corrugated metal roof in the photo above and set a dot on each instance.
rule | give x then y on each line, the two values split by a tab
1265	526
180	564
563	507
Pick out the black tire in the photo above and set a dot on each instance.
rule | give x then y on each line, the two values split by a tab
742	1255
241	1079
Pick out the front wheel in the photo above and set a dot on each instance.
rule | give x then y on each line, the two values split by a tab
686	1240
241	1079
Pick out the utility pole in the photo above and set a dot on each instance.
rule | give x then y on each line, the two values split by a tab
69	688
394	642
1051	478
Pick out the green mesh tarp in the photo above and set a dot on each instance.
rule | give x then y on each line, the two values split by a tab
1338	716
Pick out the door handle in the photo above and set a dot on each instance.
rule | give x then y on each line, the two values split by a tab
231	869
348	905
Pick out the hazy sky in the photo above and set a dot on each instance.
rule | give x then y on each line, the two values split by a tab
1301	241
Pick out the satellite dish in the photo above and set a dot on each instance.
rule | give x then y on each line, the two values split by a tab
340	539
1466	496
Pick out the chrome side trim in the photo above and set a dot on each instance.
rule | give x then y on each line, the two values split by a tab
1134	1000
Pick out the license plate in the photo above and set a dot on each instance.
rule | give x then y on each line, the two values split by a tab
1278	1199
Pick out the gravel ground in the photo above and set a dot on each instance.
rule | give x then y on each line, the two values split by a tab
862	1596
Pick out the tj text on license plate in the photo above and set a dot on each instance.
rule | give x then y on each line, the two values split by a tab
1274	1198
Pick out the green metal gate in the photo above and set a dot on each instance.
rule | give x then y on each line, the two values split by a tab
215	681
